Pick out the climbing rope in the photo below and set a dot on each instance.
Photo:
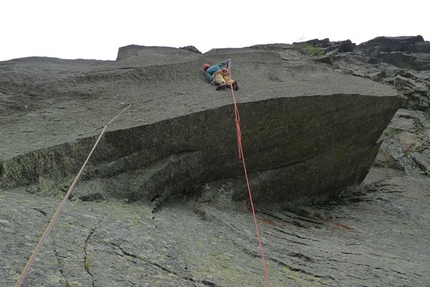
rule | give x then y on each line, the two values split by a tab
236	114
242	157
54	219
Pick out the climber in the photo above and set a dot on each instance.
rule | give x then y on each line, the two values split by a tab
219	76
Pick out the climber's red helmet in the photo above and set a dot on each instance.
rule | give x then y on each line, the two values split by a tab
205	67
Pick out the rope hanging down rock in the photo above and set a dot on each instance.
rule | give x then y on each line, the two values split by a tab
242	157
54	219
63	202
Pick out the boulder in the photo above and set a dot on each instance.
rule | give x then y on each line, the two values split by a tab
308	135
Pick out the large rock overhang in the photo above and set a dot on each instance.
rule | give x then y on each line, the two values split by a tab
312	146
308	132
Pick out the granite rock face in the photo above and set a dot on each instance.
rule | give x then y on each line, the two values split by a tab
401	62
340	184
308	131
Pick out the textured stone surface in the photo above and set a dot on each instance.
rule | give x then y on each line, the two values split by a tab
377	235
120	228
311	133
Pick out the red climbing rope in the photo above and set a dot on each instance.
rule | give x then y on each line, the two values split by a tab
54	219
236	115
242	157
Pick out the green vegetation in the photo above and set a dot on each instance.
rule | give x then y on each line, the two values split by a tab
311	50
87	266
390	132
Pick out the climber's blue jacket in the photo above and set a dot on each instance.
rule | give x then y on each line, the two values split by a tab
213	69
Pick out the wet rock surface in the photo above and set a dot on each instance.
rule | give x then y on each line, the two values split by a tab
372	234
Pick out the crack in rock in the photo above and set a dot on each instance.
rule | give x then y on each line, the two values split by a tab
86	259
299	269
153	263
211	284
59	262
40	210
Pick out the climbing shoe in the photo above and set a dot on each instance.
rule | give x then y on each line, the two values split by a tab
221	87
235	86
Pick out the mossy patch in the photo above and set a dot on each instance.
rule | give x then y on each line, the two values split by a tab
311	49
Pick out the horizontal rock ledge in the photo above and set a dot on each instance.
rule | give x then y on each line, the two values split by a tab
311	146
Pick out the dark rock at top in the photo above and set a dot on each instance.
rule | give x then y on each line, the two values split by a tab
404	52
392	44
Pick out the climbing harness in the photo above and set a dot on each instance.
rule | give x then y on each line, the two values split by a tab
242	157
54	219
